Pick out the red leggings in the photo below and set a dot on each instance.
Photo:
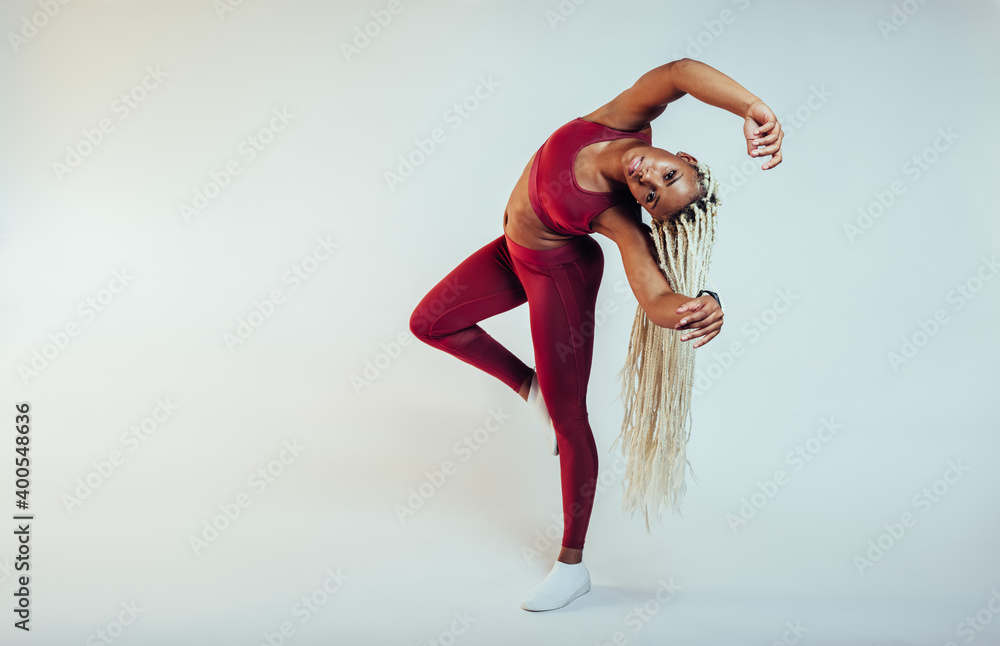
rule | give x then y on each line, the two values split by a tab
560	286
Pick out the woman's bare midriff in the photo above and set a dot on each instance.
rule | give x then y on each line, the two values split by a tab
520	222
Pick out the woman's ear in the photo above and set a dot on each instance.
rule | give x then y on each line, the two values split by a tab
686	157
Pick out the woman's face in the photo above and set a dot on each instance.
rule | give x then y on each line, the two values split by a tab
663	183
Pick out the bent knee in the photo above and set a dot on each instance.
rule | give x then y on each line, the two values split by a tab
420	325
430	329
570	419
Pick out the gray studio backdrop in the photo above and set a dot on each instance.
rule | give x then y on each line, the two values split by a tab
217	216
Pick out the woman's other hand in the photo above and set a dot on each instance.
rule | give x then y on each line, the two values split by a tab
704	319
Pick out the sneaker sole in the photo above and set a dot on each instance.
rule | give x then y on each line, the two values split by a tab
584	590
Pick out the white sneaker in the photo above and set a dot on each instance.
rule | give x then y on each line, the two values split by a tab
564	583
537	403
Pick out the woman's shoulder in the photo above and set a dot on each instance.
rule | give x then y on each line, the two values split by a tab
604	116
621	220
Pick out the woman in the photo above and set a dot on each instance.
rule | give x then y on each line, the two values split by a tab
590	176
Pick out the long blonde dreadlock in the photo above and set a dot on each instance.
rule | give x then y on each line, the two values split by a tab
659	371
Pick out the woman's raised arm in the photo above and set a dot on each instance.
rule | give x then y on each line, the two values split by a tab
649	96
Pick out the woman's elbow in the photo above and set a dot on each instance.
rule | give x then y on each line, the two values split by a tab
659	320
661	311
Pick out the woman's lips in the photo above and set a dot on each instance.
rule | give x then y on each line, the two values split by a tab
635	164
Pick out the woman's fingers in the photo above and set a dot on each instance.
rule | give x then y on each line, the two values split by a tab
767	150
774	161
759	138
771	143
708	331
773	149
764	128
707	339
691	319
770	139
697	328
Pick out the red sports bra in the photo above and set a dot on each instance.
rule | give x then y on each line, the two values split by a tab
555	196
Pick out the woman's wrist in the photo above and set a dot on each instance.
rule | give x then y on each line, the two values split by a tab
749	104
712	294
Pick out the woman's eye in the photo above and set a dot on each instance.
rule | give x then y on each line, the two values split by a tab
649	198
670	174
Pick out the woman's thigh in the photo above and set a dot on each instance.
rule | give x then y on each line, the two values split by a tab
562	300
481	286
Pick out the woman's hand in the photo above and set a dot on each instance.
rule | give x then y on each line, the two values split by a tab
762	129
704	319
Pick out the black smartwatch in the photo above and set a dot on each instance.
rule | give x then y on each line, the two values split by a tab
712	294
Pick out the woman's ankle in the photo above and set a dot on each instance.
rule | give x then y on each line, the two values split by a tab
526	386
570	555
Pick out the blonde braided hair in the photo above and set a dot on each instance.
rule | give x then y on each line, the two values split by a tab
658	375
